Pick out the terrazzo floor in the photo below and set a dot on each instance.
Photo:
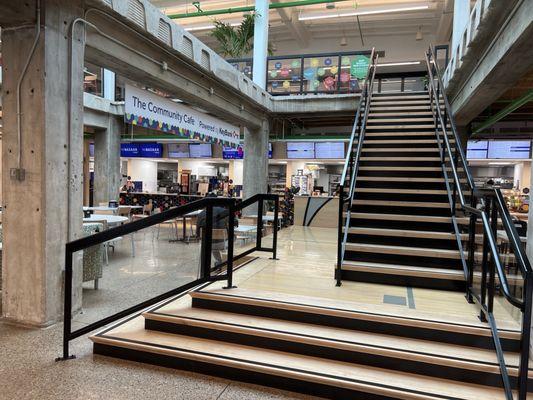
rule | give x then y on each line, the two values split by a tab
27	366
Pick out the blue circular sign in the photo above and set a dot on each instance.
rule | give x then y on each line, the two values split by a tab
278	65
327	61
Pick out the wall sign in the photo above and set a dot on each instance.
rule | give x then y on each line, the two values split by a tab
151	111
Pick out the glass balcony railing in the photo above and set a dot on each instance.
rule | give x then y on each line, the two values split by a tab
331	73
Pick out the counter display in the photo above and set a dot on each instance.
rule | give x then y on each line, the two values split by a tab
163	201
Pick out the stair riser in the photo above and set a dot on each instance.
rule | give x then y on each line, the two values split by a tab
410	225
369	208
401	185
398	153
447	244
401	173
392	196
400	259
404	280
356	324
342	355
411	163
413	143
236	374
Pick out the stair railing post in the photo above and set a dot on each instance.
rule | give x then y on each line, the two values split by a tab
523	369
484	265
231	243
339	234
207	238
492	261
259	223
471	255
275	234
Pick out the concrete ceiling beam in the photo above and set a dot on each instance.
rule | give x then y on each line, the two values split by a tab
189	85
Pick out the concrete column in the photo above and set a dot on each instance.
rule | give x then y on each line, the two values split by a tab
260	43
461	14
107	177
109	85
42	211
255	160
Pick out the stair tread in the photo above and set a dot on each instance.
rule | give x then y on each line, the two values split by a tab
467	322
397	190
182	313
404	233
398	179
406	217
402	203
410	270
405	250
400	149
133	336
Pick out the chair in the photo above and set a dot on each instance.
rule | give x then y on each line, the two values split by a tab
93	256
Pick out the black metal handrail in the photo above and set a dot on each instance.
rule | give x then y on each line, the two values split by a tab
206	272
492	210
351	164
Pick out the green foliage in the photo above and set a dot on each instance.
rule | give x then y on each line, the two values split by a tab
235	42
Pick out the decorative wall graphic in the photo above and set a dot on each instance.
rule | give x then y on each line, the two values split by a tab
359	67
327	62
321	72
334	70
295	78
151	111
278	65
286	84
284	72
309	73
295	64
315	62
315	84
275	84
345	61
329	83
345	77
273	74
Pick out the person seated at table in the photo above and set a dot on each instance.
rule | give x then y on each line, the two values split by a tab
220	221
129	186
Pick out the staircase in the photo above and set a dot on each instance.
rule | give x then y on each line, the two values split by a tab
328	348
401	229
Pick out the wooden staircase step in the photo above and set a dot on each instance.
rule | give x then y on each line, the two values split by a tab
427	204
333	343
397	190
399	120
400	158
404	233
406	217
467	329
407	113
332	379
403	250
380	97
428	127
399	179
404	270
400	149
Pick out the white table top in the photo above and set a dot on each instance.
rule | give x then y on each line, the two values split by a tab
265	217
503	235
111	219
245	228
106	208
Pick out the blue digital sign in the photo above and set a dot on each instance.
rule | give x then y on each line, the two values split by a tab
230	153
151	150
146	150
129	150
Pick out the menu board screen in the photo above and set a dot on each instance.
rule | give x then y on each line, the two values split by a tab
150	150
476	149
178	150
200	150
517	149
129	150
231	153
297	150
329	149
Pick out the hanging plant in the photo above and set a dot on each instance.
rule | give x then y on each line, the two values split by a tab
238	41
